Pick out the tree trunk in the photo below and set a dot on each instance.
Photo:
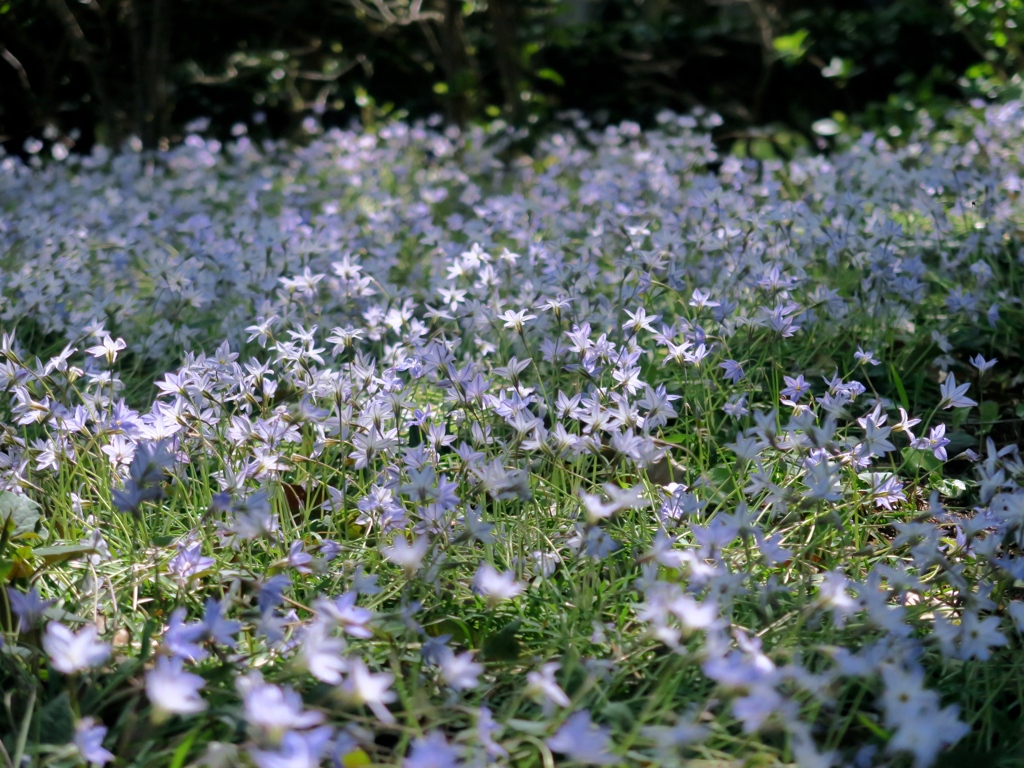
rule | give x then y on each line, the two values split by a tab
150	55
83	52
506	51
455	62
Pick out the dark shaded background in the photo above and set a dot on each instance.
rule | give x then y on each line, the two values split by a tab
74	72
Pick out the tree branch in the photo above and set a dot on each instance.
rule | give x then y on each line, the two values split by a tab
11	59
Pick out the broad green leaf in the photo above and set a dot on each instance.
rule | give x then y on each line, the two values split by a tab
988	413
762	149
503	645
19	513
916	459
57	721
960	441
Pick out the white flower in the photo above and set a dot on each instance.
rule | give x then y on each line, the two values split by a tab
619	499
640	320
408	556
514	320
321	654
298	750
495	586
108	348
460	672
172	691
343	611
272	709
72	652
364	687
542	686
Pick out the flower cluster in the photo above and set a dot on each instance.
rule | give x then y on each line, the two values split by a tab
385	449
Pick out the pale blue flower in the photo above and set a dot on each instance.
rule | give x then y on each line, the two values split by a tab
272	709
173	691
88	741
183	639
72	652
936	442
299	749
459	671
582	741
953	395
733	371
28	607
432	751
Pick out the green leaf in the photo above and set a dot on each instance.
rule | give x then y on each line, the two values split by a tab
19	514
722	479
450	626
960	441
57	721
54	555
917	459
620	715
872	726
762	149
20	565
959	417
503	645
791	48
181	753
550	75
988	412
900	390
951	487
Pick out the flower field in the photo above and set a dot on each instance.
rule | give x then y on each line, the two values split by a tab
407	448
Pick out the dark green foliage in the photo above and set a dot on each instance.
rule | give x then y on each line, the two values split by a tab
77	73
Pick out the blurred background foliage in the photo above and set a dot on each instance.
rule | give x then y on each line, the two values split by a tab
781	73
